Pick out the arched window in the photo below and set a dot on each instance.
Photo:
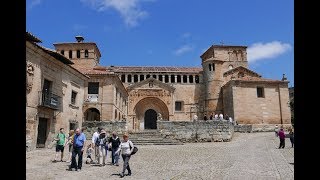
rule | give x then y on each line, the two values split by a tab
179	78
172	79
70	54
190	79
129	78
154	76
197	79
86	53
123	78
148	76
135	78
78	53
185	77
160	77
166	78
141	77
62	52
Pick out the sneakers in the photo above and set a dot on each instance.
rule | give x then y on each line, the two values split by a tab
129	174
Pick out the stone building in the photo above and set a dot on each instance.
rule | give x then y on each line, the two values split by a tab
54	93
142	95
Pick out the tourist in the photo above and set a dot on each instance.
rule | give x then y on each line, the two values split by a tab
282	137
70	143
94	146
230	120
126	148
291	135
101	143
221	116
216	116
61	139
227	117
205	117
276	130
78	148
211	116
115	142
89	152
195	117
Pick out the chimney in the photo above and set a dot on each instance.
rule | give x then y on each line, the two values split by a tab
79	38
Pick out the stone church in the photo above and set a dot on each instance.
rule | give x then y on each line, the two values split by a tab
138	94
67	86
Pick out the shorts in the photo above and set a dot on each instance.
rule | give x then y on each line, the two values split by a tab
59	148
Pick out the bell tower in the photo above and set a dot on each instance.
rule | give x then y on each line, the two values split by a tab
82	54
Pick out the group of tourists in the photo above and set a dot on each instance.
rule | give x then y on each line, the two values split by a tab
217	116
282	135
96	151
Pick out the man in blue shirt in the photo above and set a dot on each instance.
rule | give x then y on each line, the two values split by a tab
78	147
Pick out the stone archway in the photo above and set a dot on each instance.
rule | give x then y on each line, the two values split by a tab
150	119
150	103
92	114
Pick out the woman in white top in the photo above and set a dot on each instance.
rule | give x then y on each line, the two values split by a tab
126	148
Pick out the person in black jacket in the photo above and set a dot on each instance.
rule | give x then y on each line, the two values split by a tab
115	142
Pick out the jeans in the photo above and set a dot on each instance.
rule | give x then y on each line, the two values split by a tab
76	151
115	157
126	159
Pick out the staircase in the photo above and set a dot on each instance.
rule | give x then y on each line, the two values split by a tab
151	137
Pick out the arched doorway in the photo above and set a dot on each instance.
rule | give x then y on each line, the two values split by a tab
92	114
150	119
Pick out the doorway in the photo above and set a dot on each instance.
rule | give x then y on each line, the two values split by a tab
72	126
150	119
42	132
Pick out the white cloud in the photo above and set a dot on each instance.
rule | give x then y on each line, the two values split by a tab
260	51
183	49
129	9
34	3
186	35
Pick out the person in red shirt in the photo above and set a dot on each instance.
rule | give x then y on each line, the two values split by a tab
282	137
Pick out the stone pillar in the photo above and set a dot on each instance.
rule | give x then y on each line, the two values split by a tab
163	78
188	79
125	78
175	78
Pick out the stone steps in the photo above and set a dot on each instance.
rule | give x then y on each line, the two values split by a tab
151	137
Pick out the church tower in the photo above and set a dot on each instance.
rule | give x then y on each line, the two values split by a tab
215	61
82	54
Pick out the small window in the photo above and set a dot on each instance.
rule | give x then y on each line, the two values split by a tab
86	53
190	79
178	106
93	88
209	67
115	114
179	78
154	76
260	92
73	97
166	78
148	76
141	77
160	77
135	78
185	77
70	54
62	52
123	78
197	79
172	79
78	54
213	67
129	78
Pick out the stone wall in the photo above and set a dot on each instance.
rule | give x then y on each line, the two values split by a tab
198	131
248	128
91	126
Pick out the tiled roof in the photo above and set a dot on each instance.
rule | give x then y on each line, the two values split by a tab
257	79
92	71
240	68
118	69
32	38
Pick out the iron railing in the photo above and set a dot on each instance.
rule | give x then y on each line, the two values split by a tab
50	100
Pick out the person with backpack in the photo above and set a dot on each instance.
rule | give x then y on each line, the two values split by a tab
115	143
101	143
61	139
126	147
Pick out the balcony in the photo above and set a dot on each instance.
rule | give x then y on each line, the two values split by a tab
50	100
92	98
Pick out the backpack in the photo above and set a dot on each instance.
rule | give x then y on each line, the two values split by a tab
135	149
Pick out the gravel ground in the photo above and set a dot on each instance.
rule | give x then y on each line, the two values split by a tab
247	156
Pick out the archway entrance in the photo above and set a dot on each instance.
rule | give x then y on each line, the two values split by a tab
150	119
92	114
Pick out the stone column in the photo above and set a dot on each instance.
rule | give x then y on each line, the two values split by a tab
188	79
163	79
125	78
175	78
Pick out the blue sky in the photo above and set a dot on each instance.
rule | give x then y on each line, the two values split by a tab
171	32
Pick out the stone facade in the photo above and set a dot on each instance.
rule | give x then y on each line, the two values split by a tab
50	82
197	131
119	127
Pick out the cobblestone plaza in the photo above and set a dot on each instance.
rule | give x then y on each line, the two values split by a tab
247	156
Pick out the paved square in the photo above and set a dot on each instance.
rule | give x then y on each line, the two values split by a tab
247	156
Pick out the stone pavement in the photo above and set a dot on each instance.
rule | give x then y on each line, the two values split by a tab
247	156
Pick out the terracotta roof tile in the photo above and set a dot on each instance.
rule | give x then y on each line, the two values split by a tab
257	79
